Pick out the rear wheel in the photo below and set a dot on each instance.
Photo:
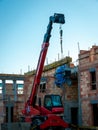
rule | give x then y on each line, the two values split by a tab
35	124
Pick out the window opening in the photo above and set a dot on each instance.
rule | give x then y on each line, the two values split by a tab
74	115
7	113
43	87
93	80
9	81
0	88
20	88
95	114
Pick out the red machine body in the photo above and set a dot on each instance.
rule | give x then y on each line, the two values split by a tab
42	117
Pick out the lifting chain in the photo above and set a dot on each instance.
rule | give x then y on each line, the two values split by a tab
61	34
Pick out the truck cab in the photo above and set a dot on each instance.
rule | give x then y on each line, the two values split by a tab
53	103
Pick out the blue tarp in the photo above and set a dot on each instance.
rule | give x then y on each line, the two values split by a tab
62	76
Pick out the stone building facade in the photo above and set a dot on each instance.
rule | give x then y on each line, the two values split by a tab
88	82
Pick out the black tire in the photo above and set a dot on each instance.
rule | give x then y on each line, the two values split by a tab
60	128
34	128
55	128
35	124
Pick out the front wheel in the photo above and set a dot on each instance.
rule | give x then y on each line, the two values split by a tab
55	128
60	128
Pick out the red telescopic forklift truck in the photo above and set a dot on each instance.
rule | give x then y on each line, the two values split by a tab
48	116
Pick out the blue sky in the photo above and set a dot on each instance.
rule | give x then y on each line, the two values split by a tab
23	24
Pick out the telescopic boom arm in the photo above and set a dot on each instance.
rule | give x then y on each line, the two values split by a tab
57	18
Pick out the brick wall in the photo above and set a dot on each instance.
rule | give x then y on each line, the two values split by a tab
17	105
87	60
71	93
1	110
8	84
50	86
